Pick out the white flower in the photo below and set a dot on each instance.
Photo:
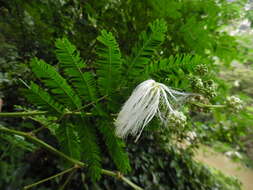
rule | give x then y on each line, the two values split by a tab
148	99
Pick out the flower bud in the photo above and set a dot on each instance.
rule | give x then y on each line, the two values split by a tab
196	83
210	89
177	119
234	103
210	92
201	69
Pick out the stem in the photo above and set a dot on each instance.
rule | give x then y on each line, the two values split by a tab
89	104
130	183
67	180
38	130
71	160
32	113
22	114
43	144
121	177
49	178
207	105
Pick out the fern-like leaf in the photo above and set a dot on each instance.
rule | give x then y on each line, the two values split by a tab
68	140
108	63
73	65
115	147
184	62
56	83
17	141
144	50
90	149
42	99
47	121
176	69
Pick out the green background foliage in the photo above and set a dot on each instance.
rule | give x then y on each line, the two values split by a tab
90	56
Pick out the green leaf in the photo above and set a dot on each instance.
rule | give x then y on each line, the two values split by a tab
90	149
73	65
109	63
56	83
41	98
164	9
18	141
47	121
148	43
69	140
184	62
115	147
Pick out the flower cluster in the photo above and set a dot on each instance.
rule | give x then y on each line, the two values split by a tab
177	119
201	69
210	89
207	88
234	103
196	83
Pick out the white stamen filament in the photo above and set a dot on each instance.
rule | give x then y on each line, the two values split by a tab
144	103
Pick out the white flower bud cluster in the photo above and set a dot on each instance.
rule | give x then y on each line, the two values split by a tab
234	103
177	119
201	69
208	88
197	83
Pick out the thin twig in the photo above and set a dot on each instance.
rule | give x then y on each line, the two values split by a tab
67	180
43	125
38	129
49	178
207	105
91	103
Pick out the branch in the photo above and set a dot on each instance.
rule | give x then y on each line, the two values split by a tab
49	178
207	105
92	103
32	113
67	180
42	144
72	160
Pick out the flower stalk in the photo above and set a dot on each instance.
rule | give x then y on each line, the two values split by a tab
207	105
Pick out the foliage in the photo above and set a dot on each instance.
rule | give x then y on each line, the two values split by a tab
234	129
170	41
171	168
71	135
30	28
